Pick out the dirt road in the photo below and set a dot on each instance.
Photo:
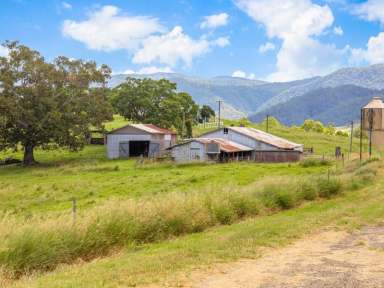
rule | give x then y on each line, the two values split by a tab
326	260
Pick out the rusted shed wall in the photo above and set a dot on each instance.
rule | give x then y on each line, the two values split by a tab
277	156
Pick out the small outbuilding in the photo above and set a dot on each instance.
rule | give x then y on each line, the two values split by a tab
134	140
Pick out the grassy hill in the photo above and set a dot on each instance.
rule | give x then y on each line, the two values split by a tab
125	206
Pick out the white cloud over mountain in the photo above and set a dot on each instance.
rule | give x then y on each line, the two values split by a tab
214	21
242	74
373	54
108	29
371	10
149	70
174	47
296	23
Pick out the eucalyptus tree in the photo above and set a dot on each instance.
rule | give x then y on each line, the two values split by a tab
45	104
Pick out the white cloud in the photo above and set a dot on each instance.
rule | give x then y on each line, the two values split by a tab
267	47
66	5
221	42
373	54
150	70
173	48
242	74
3	51
215	21
106	30
296	23
371	10
338	31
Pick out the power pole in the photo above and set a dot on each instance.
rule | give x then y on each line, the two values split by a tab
219	101
361	136
267	123
351	139
183	127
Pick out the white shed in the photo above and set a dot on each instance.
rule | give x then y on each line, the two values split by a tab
135	140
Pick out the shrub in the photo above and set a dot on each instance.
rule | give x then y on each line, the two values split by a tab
279	196
313	162
328	187
244	206
308	191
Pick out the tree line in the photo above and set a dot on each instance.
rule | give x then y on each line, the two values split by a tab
54	104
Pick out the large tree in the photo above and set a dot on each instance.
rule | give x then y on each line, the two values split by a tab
156	102
206	112
49	104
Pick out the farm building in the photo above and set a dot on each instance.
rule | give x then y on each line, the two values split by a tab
135	140
210	149
252	144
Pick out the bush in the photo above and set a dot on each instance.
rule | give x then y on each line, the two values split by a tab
279	196
313	162
328	187
308	191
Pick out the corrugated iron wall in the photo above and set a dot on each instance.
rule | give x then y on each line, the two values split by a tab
277	156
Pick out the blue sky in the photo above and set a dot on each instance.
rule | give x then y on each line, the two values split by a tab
265	39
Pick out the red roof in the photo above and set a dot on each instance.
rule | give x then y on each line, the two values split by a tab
224	144
149	128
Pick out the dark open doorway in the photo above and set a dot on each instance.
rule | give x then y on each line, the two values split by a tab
138	148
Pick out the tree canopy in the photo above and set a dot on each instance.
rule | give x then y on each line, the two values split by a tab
156	102
49	104
206	112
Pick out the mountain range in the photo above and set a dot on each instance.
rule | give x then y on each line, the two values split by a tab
334	98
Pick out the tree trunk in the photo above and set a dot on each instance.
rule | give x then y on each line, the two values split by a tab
29	158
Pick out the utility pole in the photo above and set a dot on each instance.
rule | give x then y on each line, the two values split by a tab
267	123
370	123
351	139
183	127
219	101
361	136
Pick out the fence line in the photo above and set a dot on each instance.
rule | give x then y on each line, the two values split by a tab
210	124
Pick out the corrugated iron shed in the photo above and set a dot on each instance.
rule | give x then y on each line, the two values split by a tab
225	145
149	128
263	137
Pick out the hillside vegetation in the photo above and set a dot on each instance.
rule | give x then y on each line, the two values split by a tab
245	97
338	105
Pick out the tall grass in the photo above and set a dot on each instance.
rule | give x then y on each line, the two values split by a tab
41	245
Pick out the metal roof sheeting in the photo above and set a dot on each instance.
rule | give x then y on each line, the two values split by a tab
375	103
266	137
225	145
149	128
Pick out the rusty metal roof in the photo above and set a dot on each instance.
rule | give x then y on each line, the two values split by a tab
266	137
153	129
375	103
224	144
149	128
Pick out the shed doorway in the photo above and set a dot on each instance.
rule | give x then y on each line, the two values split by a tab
138	148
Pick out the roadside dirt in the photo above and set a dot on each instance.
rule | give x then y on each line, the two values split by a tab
325	260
